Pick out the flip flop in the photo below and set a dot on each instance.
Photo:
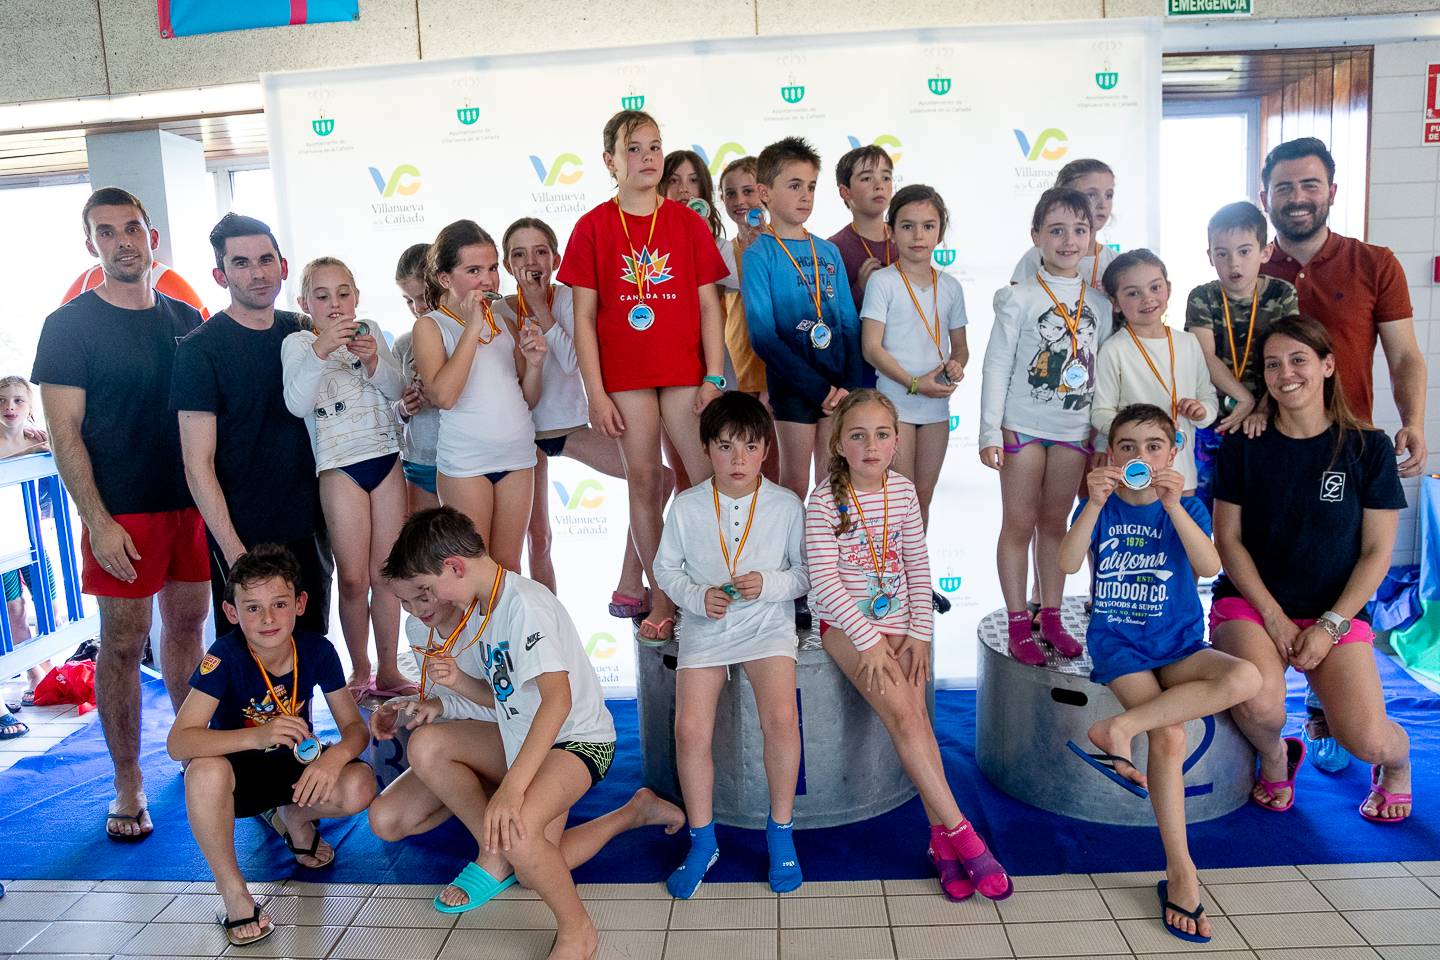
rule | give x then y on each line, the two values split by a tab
8	720
626	607
659	640
1174	931
1389	800
360	689
272	817
1106	764
136	818
232	925
28	700
478	885
1295	757
404	690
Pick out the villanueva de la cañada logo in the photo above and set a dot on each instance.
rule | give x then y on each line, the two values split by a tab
1106	78
580	515
886	141
323	125
938	85
792	92
468	114
559	178
1039	157
727	151
943	257
565	169
403	181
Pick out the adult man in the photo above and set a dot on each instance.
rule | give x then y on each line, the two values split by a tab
247	458
103	364
1356	289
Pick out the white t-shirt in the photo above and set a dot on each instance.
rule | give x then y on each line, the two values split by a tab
1088	267
562	406
530	633
907	340
346	410
456	706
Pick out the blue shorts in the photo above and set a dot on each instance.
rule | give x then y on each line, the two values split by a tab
1115	656
791	407
421	475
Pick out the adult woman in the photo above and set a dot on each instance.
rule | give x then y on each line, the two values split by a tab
1305	520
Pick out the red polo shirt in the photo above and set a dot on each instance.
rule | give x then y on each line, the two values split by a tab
1351	287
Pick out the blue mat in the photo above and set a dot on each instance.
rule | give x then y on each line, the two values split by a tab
54	805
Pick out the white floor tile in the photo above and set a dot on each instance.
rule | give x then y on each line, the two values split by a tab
1285	896
498	945
833	912
83	937
1248	875
376	943
21	905
952	943
632	945
292	943
1048	906
725	914
1141	878
1351	871
629	914
856	943
1331	953
1150	936
1057	881
1297	930
1140	903
1380	893
124	907
935	910
178	940
722	945
1422	868
1398	927
837	888
1080	938
14	934
402	912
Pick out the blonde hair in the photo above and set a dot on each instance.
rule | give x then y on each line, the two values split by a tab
307	276
12	381
839	466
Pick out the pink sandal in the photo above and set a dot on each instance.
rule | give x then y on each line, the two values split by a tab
1295	756
625	607
658	638
954	881
1389	800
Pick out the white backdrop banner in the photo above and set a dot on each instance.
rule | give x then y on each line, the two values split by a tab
370	160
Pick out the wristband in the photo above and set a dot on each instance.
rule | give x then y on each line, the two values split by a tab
718	381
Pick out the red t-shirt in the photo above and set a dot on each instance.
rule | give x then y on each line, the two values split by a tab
682	257
1351	287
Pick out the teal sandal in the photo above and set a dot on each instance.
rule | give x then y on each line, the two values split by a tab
478	885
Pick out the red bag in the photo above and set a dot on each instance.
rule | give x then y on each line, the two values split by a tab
68	683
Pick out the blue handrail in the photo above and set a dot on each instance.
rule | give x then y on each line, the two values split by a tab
38	479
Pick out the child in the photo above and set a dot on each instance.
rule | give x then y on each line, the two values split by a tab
865	177
737	593
1034	411
556	739
649	331
799	312
740	194
1147	633
485	380
245	730
532	252
912	327
865	546
1230	315
684	179
1096	181
445	726
20	436
341	380
419	418
1153	363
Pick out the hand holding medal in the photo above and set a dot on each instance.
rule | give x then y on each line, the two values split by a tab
747	586
1074	376
306	748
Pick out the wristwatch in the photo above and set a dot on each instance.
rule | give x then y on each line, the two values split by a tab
720	382
1334	624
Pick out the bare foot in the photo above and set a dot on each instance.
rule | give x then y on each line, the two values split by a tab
1106	735
1183	890
576	945
360	675
1398	782
656	812
661	609
121	820
1274	768
239	905
392	680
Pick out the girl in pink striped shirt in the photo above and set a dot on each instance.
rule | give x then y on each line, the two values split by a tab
870	585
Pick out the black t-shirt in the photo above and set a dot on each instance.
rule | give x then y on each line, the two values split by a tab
123	359
1301	513
229	673
262	452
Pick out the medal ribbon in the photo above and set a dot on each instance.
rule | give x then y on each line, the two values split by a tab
730	564
1095	267
934	305
814	261
884	529
489	319
642	271
280	707
443	651
1072	323
870	253
1174	397
1230	329
524	311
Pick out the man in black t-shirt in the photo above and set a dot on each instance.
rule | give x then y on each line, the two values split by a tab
247	457
103	364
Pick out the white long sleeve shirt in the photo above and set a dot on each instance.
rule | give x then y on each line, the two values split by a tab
1030	346
346	411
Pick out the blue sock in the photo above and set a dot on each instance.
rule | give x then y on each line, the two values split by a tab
704	851
785	872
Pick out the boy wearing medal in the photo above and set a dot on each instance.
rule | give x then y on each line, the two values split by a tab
800	313
245	730
1229	316
555	740
731	556
865	177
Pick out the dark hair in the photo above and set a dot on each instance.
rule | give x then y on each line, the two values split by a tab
1295	150
444	254
112	197
1083	167
917	193
1110	279
427	538
774	157
673	160
1241	215
263	562
870	155
742	416
411	264
1312	333
1142	413
623	124
233	225
529	223
1065	198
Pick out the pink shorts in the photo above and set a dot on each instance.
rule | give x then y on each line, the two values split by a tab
1238	608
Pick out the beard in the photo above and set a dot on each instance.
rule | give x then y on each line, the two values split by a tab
127	273
1289	230
251	300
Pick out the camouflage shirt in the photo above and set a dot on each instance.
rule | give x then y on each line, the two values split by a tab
1204	310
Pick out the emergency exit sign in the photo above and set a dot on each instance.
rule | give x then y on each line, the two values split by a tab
1209	8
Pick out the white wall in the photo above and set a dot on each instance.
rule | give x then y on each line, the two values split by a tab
1405	216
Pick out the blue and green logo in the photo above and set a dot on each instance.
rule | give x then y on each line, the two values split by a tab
792	93
404	180
634	101
467	114
889	142
954	423
588	494
949	584
727	151
938	85
1042	148
322	125
1106	79
565	169
600	646
943	256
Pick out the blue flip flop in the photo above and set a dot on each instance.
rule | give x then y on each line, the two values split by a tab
1174	931
1105	763
478	885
